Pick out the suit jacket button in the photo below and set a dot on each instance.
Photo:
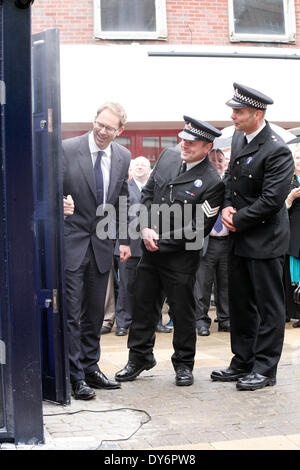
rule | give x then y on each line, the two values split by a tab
163	199
234	193
250	176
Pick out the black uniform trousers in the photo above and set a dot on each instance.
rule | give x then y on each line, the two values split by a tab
257	313
126	294
152	279
85	299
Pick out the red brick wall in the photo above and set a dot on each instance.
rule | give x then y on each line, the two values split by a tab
74	18
189	22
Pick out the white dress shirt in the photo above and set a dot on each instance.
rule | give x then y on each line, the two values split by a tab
250	137
139	184
224	232
105	163
189	166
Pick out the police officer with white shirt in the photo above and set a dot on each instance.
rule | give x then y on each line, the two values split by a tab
168	262
256	186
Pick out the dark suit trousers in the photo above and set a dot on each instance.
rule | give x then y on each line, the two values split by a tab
257	313
85	299
127	276
152	280
213	267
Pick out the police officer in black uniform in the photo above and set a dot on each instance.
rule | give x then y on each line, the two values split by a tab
256	186
188	199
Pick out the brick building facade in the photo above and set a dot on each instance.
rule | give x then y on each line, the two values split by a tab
188	22
156	90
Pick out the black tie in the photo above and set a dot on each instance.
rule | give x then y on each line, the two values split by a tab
245	142
182	168
99	178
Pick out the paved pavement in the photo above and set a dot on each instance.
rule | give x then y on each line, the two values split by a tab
151	413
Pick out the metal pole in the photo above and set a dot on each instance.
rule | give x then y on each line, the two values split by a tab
226	55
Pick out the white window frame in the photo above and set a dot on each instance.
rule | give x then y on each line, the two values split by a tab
161	25
290	27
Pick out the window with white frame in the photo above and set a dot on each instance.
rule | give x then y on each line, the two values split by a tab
262	20
130	19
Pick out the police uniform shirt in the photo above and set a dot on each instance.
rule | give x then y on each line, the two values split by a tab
250	137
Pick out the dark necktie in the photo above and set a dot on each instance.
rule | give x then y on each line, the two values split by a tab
99	178
218	224
245	142
182	168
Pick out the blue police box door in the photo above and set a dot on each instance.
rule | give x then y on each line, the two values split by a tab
49	215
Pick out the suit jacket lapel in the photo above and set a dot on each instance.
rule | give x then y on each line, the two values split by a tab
253	146
86	164
116	164
134	188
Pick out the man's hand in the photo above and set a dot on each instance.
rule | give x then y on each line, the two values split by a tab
125	252
227	218
150	239
68	205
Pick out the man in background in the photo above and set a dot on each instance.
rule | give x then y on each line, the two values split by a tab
213	269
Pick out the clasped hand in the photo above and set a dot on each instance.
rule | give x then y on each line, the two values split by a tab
227	218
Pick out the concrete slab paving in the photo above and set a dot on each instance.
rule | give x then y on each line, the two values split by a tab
151	413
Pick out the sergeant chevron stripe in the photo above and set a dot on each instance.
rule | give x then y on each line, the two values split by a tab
208	210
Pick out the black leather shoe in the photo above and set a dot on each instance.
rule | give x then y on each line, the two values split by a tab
296	324
121	331
98	380
227	375
203	331
184	376
224	326
163	329
81	391
254	381
132	370
105	330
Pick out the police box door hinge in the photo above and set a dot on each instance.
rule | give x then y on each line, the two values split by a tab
55	302
2	352
48	302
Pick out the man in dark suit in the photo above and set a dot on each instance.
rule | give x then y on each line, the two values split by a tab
95	172
257	184
180	208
